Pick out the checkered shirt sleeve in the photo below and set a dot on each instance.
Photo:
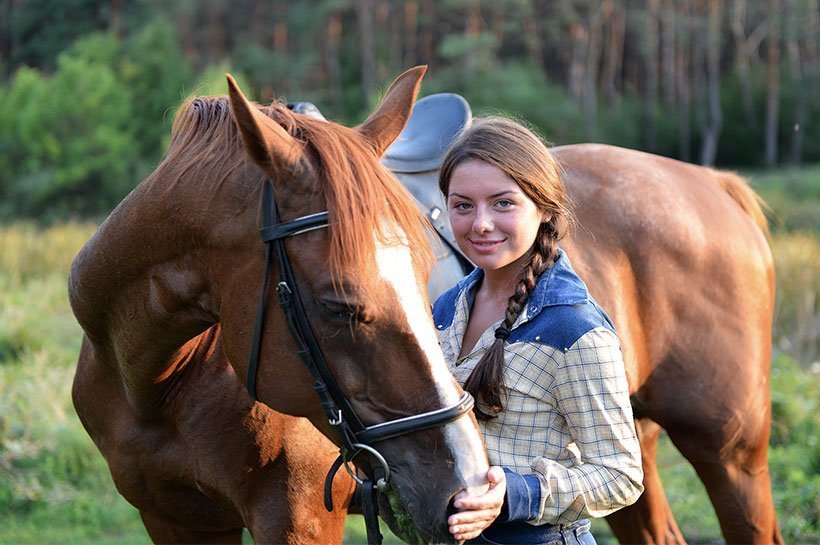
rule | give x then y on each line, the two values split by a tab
567	419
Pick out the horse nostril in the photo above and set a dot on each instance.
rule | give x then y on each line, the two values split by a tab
451	508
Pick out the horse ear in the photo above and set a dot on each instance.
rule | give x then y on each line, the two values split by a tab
385	124
267	143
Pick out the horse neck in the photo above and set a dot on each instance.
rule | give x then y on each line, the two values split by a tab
143	290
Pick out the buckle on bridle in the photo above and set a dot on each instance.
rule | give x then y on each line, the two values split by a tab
336	420
284	292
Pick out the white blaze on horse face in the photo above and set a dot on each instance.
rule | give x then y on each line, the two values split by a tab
395	265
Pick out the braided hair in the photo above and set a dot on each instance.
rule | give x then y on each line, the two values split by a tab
518	152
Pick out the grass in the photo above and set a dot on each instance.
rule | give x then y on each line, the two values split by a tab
55	486
793	197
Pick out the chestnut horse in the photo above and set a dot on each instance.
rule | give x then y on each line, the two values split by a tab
678	256
166	292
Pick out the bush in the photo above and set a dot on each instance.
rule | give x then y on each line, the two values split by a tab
72	130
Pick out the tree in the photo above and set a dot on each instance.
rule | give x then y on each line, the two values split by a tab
773	82
73	132
711	133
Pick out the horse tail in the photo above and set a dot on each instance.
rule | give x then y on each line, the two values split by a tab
752	203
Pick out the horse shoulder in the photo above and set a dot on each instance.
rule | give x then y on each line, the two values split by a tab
665	250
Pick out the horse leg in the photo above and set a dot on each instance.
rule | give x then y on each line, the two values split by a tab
649	520
736	477
161	531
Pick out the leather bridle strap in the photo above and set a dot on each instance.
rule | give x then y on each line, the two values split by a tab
355	436
333	400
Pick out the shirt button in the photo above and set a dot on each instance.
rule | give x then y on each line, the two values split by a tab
538	337
439	326
533	309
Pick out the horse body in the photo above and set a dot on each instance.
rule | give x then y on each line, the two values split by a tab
677	255
212	461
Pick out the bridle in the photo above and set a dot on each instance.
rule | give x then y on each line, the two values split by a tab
355	436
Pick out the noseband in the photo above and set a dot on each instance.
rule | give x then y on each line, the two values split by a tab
355	436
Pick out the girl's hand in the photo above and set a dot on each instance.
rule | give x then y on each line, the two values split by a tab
478	512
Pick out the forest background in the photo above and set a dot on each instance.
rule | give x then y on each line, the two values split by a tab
89	90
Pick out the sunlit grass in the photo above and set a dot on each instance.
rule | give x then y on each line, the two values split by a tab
55	486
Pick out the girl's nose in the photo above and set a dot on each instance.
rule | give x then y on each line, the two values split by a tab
482	222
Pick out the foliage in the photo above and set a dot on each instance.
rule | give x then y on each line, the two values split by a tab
42	28
154	71
85	107
71	130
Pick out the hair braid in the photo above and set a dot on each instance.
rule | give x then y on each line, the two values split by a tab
487	379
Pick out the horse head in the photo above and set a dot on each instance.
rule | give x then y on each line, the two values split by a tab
362	284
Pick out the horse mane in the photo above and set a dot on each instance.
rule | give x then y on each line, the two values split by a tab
361	196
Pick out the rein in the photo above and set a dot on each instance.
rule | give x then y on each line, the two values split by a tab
355	436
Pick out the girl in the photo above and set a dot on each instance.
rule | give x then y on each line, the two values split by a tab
523	335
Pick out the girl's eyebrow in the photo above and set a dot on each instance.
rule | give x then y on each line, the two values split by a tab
493	196
454	194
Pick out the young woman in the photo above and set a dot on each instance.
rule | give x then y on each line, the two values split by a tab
523	335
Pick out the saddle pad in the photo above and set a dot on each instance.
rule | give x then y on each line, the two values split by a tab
436	120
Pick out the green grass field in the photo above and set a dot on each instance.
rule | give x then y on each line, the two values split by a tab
55	487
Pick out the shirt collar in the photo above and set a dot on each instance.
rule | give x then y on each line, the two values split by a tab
558	285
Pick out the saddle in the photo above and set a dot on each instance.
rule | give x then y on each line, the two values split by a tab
415	158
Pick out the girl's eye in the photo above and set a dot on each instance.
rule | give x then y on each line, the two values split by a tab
462	206
504	203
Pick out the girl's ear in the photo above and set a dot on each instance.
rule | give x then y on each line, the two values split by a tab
546	216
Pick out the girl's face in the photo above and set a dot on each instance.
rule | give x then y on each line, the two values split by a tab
493	220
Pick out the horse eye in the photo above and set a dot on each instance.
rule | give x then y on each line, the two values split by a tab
344	310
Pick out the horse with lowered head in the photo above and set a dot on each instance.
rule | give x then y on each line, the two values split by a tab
166	292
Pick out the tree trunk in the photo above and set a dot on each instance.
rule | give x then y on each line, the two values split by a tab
580	40
615	22
427	53
411	40
651	73
593	60
743	54
471	32
364	14
668	54
396	38
334	72
497	22
215	35
532	37
115	19
683	80
281	41
773	82
712	133
809	69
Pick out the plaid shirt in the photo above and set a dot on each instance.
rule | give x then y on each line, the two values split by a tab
567	424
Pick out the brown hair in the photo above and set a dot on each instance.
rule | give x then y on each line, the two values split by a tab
361	196
518	152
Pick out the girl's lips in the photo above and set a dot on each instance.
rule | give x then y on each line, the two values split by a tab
485	246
